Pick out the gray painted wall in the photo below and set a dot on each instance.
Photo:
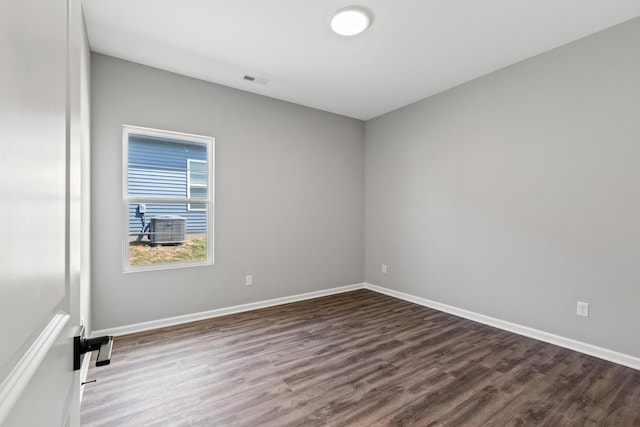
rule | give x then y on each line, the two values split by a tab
289	195
517	194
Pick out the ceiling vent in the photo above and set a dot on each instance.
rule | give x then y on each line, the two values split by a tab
258	80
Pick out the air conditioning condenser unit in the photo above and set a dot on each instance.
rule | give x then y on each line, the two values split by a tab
168	229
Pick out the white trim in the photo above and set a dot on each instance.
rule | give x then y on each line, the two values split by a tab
204	315
84	373
581	347
189	137
125	196
17	380
210	142
591	350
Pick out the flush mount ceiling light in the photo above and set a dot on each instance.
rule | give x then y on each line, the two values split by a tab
350	21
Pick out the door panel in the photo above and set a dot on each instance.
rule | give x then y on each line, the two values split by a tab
32	131
47	398
40	216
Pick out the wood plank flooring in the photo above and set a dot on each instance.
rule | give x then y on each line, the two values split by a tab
354	359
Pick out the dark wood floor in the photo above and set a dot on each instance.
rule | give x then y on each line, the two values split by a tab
355	359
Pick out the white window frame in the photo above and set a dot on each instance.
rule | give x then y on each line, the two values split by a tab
189	184
128	199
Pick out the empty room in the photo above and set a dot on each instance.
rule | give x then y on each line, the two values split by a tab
320	213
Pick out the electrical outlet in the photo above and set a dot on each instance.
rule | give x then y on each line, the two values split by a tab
384	268
248	280
583	309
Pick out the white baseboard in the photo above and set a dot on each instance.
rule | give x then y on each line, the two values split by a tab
178	320
592	350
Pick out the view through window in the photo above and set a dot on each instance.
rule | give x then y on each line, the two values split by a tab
168	199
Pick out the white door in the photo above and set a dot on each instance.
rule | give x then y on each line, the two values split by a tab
41	212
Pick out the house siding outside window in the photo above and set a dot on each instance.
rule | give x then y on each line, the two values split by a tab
159	167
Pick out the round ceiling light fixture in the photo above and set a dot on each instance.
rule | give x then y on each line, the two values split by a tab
350	21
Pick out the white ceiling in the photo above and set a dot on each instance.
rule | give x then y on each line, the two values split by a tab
413	49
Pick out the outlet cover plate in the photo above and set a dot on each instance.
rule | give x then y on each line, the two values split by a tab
583	309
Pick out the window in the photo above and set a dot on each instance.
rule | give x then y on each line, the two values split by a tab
167	199
196	183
